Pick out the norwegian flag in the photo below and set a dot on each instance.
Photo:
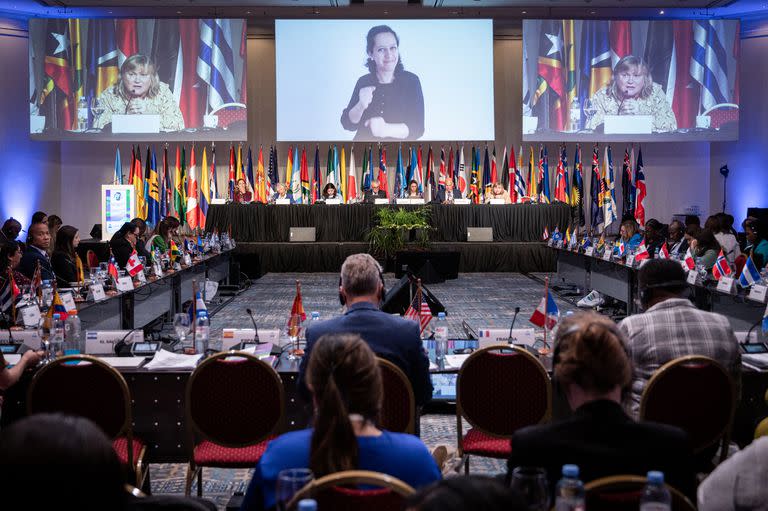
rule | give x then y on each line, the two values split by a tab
642	252
689	261
721	268
423	315
664	251
134	265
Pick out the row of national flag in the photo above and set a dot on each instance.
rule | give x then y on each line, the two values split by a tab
689	59
197	58
183	181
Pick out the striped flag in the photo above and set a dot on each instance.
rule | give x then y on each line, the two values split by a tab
533	188
560	179
441	171
474	192
304	173
352	177
709	62
749	274
399	174
265	189
295	187
127	39
215	63
519	179
721	268
577	187
205	188
118	178
231	180
596	209
609	193
316	178
640	191
101	61
56	99
594	61
642	252
419	310
383	170
366	170
193	207
689	261
343	175
545	196
8	292
621	40
250	182
461	178
664	251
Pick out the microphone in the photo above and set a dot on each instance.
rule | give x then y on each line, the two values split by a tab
255	328
512	326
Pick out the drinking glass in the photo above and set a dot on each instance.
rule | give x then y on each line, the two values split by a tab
531	484
589	111
294	331
44	331
289	482
181	325
97	107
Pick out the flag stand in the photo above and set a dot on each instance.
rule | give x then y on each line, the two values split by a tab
193	319
546	316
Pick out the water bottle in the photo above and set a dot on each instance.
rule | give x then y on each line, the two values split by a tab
202	331
56	339
575	115
569	494
73	339
82	114
307	505
441	340
655	496
47	294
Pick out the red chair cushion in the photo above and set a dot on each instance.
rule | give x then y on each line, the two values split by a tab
209	454
353	499
480	444
120	445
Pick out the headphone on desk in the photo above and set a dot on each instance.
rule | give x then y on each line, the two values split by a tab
382	294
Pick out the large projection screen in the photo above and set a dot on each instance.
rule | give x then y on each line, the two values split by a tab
137	79
648	80
422	80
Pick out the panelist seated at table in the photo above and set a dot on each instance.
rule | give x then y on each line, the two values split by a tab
330	192
374	193
242	194
38	242
629	234
654	236
593	369
65	261
497	192
413	191
449	194
676	239
165	231
281	193
137	91
346	389
757	244
632	92
705	249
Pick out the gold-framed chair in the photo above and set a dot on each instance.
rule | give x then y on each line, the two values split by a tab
85	386
696	394
499	390
398	408
233	427
623	492
333	492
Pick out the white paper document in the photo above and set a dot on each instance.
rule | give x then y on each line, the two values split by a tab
167	360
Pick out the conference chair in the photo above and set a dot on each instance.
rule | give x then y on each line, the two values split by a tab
229	113
722	114
340	492
85	386
398	409
499	390
622	493
234	407
696	394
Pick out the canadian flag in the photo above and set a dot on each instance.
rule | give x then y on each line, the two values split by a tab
642	252
689	260
664	251
134	265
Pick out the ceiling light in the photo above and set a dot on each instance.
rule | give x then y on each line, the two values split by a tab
661	11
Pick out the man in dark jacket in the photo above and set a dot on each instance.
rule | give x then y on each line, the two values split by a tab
39	240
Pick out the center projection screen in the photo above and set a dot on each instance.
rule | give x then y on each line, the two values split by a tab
373	80
137	79
635	81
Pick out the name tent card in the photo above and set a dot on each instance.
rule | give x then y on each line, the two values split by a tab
187	259
124	284
590	251
96	292
30	315
607	254
141	277
68	301
631	260
758	293
283	202
692	275
725	285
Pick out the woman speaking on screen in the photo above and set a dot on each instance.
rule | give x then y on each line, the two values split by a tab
387	103
631	91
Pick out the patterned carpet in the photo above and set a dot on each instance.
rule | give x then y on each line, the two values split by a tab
484	300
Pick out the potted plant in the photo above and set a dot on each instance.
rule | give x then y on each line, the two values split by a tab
395	227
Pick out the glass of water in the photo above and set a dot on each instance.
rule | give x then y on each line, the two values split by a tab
289	482
181	326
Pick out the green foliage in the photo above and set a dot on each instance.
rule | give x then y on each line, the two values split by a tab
394	227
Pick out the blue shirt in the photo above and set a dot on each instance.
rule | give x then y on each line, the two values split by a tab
397	454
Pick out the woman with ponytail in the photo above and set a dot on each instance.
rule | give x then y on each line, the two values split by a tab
593	370
344	379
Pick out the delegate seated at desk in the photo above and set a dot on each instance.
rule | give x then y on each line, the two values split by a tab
139	91
631	91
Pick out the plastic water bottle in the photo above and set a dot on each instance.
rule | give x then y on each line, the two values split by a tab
56	336
315	316
569	495
575	115
307	505
655	496
202	331
82	114
441	340
73	338
47	294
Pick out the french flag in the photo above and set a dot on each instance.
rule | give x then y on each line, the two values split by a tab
642	252
546	313
721	268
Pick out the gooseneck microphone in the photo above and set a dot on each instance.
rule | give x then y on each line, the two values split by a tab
255	328
512	326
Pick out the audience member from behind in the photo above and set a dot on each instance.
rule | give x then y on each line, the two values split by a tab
39	241
10	230
672	327
677	243
344	379
65	261
738	483
55	461
54	224
475	493
719	225
393	338
39	217
757	244
10	257
592	368
123	243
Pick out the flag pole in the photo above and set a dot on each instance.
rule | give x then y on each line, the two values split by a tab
193	306
546	304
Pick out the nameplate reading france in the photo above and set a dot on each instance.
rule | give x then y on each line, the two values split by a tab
31	316
758	293
124	284
96	292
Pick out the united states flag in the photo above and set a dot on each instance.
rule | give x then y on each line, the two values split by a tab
423	315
